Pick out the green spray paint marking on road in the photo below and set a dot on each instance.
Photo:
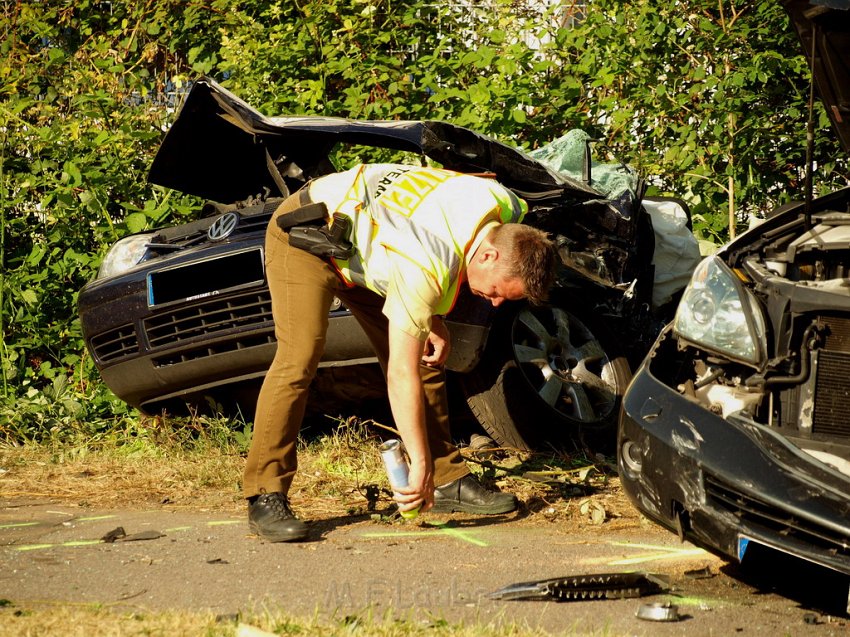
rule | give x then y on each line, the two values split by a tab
701	602
18	524
654	547
15	525
35	547
81	542
458	533
442	528
658	553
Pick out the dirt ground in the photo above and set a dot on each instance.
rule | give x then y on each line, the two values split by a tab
183	554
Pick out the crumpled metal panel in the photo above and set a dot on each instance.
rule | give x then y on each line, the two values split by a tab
222	149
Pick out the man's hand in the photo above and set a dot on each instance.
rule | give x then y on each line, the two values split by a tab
437	345
419	491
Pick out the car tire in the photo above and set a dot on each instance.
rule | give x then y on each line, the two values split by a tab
546	379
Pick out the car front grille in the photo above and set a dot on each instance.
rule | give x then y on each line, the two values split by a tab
832	394
215	315
758	513
115	344
207	349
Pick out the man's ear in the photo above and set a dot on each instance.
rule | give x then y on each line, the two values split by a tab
488	255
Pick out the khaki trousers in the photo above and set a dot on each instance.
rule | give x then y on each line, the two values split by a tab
302	288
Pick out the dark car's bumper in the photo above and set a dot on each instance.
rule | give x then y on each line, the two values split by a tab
164	356
724	483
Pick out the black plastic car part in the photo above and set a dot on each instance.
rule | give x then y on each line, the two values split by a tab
585	587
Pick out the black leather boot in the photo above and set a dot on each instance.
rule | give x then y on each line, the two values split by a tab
468	496
270	517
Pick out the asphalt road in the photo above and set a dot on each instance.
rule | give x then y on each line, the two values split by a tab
439	568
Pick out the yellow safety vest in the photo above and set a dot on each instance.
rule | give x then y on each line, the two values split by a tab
427	215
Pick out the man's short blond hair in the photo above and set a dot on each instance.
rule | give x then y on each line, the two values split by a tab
529	256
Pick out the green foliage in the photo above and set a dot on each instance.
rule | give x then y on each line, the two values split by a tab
78	134
708	99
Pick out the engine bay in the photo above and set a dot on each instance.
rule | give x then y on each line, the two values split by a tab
798	271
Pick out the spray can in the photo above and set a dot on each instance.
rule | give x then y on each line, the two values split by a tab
397	470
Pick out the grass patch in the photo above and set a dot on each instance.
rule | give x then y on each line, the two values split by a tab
154	461
96	621
198	463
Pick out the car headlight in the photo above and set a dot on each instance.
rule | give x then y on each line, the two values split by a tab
124	254
718	313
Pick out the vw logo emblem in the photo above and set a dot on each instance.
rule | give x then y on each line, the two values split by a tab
223	227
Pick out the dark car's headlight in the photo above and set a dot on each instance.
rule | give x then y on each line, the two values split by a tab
124	254
718	313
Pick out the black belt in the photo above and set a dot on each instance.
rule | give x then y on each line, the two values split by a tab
307	213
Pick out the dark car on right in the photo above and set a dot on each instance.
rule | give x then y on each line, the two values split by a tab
735	432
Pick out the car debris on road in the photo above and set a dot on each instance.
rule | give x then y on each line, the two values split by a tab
585	587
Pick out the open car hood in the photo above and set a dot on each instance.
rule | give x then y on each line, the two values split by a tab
824	30
222	149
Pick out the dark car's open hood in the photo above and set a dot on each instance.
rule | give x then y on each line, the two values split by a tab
826	25
222	149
